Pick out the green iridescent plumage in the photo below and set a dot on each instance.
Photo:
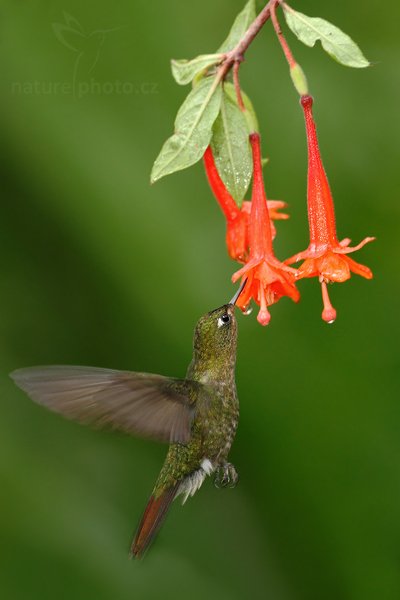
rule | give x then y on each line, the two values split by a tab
197	415
217	406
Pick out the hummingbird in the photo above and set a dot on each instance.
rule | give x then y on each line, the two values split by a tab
197	415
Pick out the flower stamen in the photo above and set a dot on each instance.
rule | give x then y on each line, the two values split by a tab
264	315
329	313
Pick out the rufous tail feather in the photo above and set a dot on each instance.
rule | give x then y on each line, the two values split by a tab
151	521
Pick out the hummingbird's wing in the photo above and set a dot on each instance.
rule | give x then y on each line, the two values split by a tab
153	406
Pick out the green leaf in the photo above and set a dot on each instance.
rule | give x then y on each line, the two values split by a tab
231	148
250	114
239	27
336	43
193	129
184	71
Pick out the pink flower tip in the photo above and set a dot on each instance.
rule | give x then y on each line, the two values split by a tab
329	315
263	317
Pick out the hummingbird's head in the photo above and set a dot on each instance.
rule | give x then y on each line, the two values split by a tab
216	334
215	338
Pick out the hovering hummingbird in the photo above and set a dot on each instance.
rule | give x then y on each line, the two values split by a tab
197	416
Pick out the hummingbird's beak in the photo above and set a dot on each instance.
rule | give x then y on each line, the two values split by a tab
240	290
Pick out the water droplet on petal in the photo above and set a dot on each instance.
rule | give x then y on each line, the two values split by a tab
329	315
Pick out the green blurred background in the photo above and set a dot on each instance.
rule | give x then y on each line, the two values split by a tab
99	268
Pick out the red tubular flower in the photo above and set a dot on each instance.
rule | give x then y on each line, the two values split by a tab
267	278
237	220
325	256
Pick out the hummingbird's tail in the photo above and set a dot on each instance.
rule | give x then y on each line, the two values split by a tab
152	519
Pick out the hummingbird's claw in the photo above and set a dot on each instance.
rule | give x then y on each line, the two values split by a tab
226	476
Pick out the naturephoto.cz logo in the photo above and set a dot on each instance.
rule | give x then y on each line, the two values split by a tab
86	47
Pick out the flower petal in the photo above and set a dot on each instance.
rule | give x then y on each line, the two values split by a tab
358	268
274	206
333	267
237	237
309	268
347	249
300	256
246	270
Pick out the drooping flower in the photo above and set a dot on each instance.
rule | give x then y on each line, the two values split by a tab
268	279
237	219
325	257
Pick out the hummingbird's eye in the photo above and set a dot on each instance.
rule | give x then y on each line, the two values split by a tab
223	320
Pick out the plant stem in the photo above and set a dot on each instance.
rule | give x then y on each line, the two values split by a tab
236	54
285	47
236	82
253	30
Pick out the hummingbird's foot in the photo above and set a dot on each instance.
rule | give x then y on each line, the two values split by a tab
226	476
